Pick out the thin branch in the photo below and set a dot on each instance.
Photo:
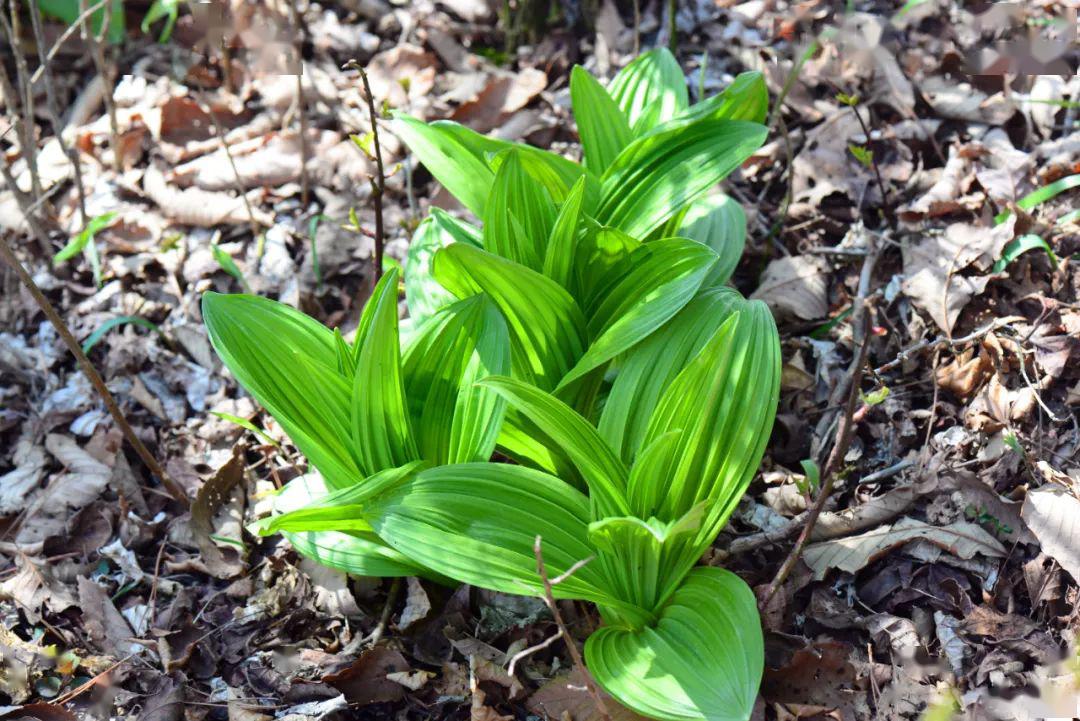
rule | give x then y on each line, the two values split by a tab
886	205
97	53
71	30
845	431
294	20
571	646
175	490
388	608
521	655
378	184
26	101
220	130
941	343
53	107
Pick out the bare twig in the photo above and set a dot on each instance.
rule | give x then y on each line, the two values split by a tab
525	653
384	619
71	30
845	431
175	490
220	130
941	343
27	205
571	646
97	53
378	184
54	109
886	205
294	20
26	100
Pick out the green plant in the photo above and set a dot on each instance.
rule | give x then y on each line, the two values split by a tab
583	335
665	649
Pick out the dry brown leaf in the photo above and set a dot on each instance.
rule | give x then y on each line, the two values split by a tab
417	604
202	208
851	554
105	625
332	594
267	161
566	695
401	74
212	496
35	585
365	681
17	484
795	286
959	100
1053	515
504	94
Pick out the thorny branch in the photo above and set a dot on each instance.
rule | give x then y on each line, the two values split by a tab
174	489
571	646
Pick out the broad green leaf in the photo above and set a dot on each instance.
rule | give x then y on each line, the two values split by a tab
647	370
657	175
640	294
650	90
454	418
289	363
361	554
562	244
598	251
423	294
248	426
720	223
747	98
381	429
477	523
340	510
645	561
463	172
547	329
602	470
702	660
724	403
601	124
520	214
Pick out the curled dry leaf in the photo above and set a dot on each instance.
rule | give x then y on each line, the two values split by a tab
366	682
212	496
504	94
795	286
851	554
203	208
417	604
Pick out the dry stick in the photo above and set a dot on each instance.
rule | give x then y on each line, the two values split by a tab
53	107
845	433
378	186
941	343
885	204
97	53
91	373
71	30
220	130
27	206
294	20
26	98
571	645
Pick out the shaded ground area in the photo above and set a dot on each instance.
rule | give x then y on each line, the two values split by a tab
943	568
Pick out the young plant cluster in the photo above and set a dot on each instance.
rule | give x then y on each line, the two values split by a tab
583	331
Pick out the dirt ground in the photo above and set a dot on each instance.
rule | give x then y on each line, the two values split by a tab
942	574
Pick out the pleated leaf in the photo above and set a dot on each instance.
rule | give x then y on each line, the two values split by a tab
423	294
477	523
650	90
647	371
602	125
578	440
724	403
659	174
455	419
460	169
289	363
747	98
562	243
520	214
640	294
381	427
363	554
720	223
702	660
547	329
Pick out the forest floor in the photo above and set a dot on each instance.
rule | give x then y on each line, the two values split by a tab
943	571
